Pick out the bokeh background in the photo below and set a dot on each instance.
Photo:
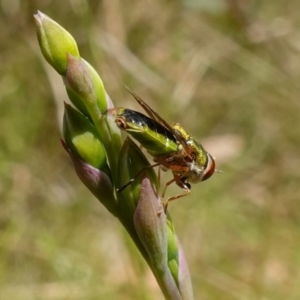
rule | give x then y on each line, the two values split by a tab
229	72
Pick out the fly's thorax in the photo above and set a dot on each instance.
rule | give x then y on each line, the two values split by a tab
197	152
181	152
177	127
203	164
120	111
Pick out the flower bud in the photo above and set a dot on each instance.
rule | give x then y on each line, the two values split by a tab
172	249
82	79
82	139
132	165
95	180
84	85
184	280
151	225
76	101
55	42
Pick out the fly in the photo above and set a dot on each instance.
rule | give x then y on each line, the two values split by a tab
171	147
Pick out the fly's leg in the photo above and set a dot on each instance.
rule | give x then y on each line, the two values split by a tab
166	186
158	177
186	192
143	170
184	185
136	176
163	195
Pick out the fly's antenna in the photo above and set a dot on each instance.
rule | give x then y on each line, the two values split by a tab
217	170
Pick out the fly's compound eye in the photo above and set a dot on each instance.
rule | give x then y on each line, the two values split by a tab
210	167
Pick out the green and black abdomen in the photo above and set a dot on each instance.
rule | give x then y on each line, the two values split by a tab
154	137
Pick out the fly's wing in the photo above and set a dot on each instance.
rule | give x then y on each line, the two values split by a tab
155	116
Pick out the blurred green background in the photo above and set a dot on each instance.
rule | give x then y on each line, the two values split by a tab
229	72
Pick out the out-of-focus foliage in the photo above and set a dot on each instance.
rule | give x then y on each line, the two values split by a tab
229	72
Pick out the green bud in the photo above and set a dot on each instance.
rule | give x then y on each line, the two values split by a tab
85	85
131	163
55	42
151	226
82	138
111	137
184	279
102	100
82	79
76	101
172	249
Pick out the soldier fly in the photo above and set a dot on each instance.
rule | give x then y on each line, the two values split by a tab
171	147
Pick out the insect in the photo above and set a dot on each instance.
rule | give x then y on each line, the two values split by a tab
171	147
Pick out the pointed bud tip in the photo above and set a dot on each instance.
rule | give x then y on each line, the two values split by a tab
38	16
55	42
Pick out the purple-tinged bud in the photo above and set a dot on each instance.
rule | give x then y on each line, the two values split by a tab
85	86
55	42
82	79
95	180
103	102
184	280
151	226
79	80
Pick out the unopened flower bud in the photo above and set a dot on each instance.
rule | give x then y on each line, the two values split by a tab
55	42
82	79
83	140
95	180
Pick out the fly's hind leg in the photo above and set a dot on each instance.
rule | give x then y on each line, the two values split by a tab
184	185
158	177
186	192
166	186
136	176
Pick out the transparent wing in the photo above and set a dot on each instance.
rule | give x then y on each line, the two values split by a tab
156	117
